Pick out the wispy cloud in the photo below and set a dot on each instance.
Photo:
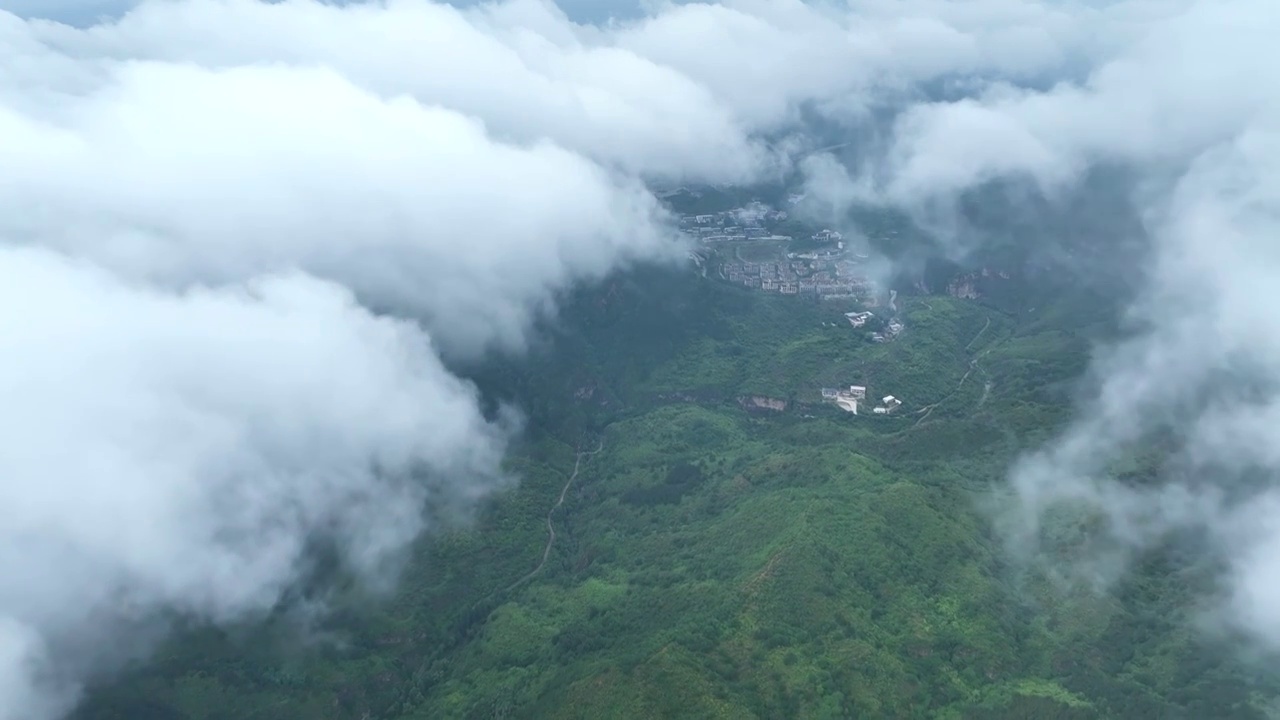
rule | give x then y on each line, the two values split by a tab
1190	106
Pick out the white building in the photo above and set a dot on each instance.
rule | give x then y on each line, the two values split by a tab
858	319
891	403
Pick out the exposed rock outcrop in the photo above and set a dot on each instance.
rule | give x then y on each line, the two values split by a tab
761	402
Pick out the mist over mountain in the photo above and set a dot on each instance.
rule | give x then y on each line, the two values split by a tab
246	246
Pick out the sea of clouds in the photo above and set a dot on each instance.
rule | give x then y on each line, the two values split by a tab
241	243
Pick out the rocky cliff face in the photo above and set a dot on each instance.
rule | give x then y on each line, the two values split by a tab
761	402
970	285
965	287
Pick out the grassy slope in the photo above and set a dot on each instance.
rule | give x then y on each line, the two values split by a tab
713	563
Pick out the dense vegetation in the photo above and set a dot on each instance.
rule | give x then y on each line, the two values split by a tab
719	560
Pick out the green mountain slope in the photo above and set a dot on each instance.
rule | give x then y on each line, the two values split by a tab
720	559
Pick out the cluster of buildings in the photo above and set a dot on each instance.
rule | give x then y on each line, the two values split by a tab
848	400
891	331
827	272
739	225
834	251
795	277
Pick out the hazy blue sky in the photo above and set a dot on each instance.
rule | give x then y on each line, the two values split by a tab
80	12
72	11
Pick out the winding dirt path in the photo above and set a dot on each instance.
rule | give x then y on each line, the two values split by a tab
975	337
973	365
551	528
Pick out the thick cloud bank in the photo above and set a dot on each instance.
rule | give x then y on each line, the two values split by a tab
178	450
173	173
192	248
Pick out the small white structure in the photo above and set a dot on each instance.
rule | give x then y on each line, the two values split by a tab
880	410
858	319
890	403
846	400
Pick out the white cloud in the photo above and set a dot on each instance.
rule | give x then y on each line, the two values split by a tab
765	59
523	69
177	174
176	451
678	95
1177	88
25	693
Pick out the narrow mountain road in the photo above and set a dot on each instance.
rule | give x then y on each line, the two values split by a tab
975	337
927	410
551	528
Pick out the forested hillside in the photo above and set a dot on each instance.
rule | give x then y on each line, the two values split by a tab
718	557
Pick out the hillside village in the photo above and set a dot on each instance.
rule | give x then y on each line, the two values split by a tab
749	222
848	400
743	247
